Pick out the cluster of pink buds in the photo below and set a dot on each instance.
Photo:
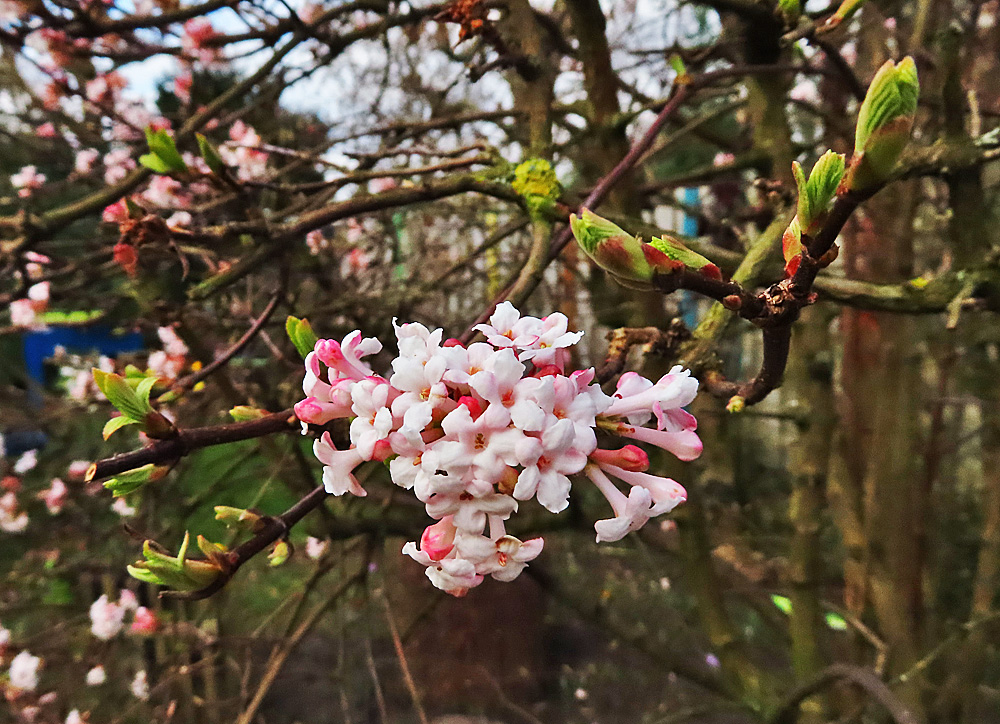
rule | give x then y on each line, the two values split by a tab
474	430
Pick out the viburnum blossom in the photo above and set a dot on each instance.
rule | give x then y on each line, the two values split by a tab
24	671
96	676
476	430
106	619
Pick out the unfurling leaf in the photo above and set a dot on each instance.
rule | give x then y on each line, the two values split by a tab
302	335
120	394
612	248
279	554
816	193
245	413
163	156
133	480
174	571
791	247
884	123
678	253
211	155
115	424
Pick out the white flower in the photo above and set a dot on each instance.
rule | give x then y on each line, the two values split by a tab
316	548
24	671
106	619
140	685
74	717
96	676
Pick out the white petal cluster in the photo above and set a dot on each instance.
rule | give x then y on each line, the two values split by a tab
474	430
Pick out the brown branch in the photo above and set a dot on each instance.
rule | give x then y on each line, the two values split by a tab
274	529
788	712
194	378
186	441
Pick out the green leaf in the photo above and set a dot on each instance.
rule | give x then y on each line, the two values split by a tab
133	480
302	335
245	413
892	94
835	621
816	193
611	247
144	388
120	393
783	603
115	424
677	252
174	571
211	155
161	144
154	163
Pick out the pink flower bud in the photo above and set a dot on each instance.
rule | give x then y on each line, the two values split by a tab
438	540
630	457
145	621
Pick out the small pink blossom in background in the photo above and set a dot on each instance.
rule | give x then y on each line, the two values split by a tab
140	685
116	213
85	160
243	152
12	518
316	548
316	242
46	130
96	676
104	89
182	86
197	34
26	462
55	496
117	164
127	600
106	618
179	220
890	24
122	507
77	469
381	185
4	638
354	262
723	158
27	181
310	12
145	621
24	671
74	717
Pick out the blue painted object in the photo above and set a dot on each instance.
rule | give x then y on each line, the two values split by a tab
690	225
40	345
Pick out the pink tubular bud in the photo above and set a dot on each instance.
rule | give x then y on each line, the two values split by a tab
547	371
438	540
452	342
630	457
475	408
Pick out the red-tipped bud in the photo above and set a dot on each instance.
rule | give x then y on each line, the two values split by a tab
631	458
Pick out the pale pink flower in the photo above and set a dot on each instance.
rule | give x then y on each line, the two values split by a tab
140	685
55	496
106	619
23	671
27	181
316	548
145	622
96	676
85	160
338	476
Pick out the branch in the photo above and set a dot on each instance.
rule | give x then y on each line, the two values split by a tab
274	529
187	441
788	712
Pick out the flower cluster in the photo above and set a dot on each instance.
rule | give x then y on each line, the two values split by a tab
475	430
